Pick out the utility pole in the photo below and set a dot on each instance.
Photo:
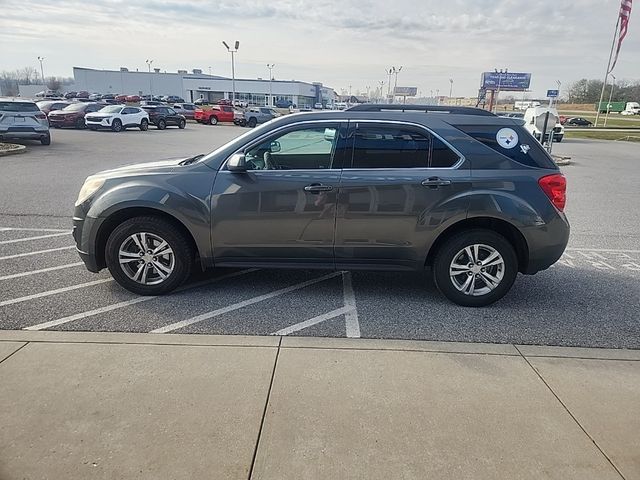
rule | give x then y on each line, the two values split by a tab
450	88
389	72
381	83
270	67
396	71
41	59
233	51
613	84
149	62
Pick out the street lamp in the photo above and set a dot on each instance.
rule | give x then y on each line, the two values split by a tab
613	84
381	82
270	67
232	51
149	62
450	88
41	59
396	71
499	85
389	72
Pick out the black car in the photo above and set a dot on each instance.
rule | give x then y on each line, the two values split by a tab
469	195
163	117
578	121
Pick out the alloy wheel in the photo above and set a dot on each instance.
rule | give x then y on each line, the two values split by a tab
146	258
477	269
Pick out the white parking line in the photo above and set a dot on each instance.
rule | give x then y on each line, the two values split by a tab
54	292
612	250
237	306
39	237
313	321
34	272
351	317
21	229
115	306
18	255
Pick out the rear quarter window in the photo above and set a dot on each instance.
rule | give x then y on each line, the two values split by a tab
526	150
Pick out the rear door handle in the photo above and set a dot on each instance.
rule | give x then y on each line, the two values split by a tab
317	188
435	182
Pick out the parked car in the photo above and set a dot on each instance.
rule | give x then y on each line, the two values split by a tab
120	98
578	122
73	115
214	114
95	96
201	101
132	98
150	103
255	115
108	96
284	103
21	119
117	118
468	194
82	94
174	99
163	117
70	95
49	105
318	106
186	109
47	94
238	118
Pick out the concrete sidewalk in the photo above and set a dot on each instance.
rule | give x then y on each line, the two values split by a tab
142	406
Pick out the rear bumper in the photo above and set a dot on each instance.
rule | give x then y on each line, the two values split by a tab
546	244
33	134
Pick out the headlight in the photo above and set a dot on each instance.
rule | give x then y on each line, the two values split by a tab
90	186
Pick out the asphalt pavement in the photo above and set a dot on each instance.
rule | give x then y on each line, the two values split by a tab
590	298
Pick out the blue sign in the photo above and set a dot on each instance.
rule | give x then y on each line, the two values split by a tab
505	81
552	93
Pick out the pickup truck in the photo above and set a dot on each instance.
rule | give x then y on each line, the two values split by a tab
213	114
255	115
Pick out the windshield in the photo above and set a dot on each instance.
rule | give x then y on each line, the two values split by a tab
111	109
75	107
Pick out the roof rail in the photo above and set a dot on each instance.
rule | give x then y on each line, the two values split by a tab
381	107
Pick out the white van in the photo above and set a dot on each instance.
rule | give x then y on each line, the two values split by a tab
632	108
534	122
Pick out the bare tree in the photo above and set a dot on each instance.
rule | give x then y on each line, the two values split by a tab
53	84
27	75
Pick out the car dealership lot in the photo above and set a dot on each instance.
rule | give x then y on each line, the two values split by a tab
590	298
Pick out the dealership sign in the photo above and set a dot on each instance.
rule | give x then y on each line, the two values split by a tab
505	81
405	91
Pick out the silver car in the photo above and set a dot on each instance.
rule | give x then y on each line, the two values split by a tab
21	119
188	110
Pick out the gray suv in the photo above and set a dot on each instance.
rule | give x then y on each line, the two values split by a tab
22	119
378	187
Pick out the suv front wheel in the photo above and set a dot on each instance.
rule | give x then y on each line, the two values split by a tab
475	268
148	256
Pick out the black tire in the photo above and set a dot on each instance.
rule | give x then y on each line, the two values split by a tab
45	139
116	125
177	241
80	124
450	251
162	124
182	124
213	120
144	125
243	123
252	122
558	139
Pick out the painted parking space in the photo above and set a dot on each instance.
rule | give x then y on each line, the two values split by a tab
49	289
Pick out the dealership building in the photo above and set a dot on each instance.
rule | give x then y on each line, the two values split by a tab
195	84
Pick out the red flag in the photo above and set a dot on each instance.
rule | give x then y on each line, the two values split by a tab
623	21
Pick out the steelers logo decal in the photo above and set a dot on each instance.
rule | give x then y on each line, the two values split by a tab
507	138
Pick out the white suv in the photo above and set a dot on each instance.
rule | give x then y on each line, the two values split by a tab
117	118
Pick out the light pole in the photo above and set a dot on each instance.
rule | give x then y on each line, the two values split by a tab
149	62
389	72
270	67
495	106
41	59
613	84
450	88
232	51
437	96
209	71
396	71
381	82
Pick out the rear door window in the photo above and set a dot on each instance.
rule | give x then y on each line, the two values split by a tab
525	149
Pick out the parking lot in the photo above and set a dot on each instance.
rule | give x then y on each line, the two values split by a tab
590	298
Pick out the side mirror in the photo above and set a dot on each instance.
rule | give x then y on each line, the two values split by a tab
275	146
237	163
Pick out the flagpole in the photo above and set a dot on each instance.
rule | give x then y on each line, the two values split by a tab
606	75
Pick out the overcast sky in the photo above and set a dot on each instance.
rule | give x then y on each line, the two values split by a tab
339	43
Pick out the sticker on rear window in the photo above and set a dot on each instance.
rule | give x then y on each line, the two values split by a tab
507	138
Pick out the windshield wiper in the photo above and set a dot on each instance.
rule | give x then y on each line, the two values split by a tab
189	161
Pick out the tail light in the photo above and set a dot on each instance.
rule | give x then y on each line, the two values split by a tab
555	187
41	116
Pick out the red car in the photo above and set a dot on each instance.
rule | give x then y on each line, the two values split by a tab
133	98
214	114
73	115
121	98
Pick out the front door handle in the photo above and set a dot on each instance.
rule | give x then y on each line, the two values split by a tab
435	182
317	188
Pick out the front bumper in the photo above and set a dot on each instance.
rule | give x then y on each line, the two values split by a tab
104	123
84	232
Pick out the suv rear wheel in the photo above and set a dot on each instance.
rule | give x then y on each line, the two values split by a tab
475	268
213	120
252	122
148	256
162	124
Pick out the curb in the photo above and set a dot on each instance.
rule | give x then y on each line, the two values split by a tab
12	151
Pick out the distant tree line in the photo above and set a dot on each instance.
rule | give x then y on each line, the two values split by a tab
588	91
9	80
